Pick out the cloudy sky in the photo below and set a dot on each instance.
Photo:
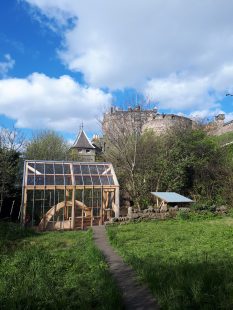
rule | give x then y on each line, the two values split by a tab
64	62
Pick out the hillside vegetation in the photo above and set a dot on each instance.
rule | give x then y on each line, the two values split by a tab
187	264
186	161
225	138
53	271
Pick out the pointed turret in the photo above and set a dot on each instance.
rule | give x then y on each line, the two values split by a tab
82	141
83	149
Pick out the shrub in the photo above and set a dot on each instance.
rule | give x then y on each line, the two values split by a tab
183	215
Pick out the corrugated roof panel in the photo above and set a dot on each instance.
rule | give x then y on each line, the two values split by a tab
171	197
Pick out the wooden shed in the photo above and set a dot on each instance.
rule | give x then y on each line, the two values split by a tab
60	195
164	198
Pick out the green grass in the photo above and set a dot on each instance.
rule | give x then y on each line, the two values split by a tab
187	264
56	270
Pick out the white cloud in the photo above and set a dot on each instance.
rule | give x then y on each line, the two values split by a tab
208	115
6	65
180	92
123	43
187	92
56	103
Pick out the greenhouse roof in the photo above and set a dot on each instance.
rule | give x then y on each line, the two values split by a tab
65	173
171	197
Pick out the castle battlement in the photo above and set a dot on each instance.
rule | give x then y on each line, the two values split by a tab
141	120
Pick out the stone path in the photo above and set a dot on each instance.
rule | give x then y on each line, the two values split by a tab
135	295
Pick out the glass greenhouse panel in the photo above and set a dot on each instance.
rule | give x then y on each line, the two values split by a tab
39	168
78	180
49	169
58	168
76	169
60	173
93	169
85	169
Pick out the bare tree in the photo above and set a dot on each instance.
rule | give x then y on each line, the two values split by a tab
12	139
11	143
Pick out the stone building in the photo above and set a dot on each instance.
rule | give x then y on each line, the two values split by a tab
138	120
82	149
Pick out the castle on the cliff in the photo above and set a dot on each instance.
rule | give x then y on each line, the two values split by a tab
139	120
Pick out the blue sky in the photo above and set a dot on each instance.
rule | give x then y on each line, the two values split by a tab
65	62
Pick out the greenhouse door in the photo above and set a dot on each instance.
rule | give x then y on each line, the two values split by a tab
108	201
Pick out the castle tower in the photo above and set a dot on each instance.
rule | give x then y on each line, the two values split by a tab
83	149
219	119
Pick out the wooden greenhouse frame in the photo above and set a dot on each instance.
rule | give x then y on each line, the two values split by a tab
59	195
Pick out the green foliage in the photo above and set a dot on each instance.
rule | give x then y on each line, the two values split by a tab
53	271
224	138
10	143
185	161
183	215
47	145
187	264
9	172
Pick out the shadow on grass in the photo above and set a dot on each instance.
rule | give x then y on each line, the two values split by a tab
11	234
185	285
88	296
53	271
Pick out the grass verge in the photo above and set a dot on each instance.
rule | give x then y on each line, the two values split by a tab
55	270
187	264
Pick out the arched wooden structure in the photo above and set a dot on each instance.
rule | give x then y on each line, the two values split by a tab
66	224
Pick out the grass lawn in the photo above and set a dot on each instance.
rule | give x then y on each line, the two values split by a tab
55	270
187	264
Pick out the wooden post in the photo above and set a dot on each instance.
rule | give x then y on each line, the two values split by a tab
24	205
82	225
112	202
106	204
66	208
92	205
24	195
73	209
117	202
102	206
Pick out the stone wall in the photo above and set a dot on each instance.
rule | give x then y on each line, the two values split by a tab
83	155
141	120
162	123
221	129
138	120
131	120
218	127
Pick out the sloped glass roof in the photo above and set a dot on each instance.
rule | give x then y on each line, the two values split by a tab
58	173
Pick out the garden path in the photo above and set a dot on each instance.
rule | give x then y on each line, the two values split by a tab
135	296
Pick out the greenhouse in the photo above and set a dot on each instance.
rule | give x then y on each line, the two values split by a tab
68	195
